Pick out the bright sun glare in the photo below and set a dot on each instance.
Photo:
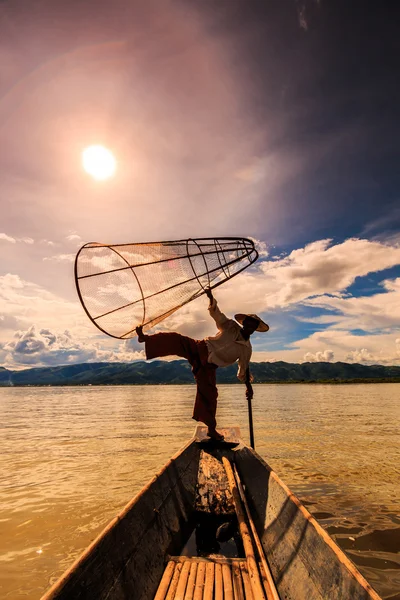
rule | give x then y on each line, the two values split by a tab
99	162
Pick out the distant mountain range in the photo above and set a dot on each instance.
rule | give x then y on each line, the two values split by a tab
178	371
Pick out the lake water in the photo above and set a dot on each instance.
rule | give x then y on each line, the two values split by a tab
71	458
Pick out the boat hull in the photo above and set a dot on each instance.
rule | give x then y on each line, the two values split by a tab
129	557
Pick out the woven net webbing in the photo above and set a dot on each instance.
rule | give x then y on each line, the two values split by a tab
125	285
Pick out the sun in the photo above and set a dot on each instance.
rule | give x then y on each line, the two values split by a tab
99	162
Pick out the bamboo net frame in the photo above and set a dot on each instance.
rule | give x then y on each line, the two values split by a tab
122	286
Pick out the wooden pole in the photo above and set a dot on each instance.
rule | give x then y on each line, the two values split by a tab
256	585
250	409
270	589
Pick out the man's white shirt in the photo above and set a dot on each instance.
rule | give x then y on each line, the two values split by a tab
228	346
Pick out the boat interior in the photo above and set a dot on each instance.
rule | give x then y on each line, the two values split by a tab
215	523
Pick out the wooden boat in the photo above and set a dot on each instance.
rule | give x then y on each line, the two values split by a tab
163	544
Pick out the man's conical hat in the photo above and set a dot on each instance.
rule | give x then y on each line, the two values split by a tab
240	317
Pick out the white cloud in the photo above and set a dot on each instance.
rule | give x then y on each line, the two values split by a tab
44	347
317	276
325	356
30	303
322	268
13	240
369	313
7	238
346	346
261	247
60	258
73	237
316	270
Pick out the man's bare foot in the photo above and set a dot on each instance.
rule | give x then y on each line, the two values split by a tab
215	435
141	336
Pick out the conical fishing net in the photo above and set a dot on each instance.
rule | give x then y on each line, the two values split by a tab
125	285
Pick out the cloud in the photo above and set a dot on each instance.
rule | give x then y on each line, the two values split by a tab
261	247
316	276
13	240
60	258
44	347
30	303
7	238
322	268
73	237
318	269
346	346
325	356
370	313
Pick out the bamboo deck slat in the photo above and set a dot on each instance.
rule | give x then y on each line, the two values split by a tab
199	587
248	592
237	582
227	578
198	578
209	584
183	579
174	582
165	581
191	581
219	586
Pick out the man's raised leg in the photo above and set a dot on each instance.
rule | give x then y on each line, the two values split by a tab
205	406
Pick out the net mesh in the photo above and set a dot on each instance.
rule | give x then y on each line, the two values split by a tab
125	285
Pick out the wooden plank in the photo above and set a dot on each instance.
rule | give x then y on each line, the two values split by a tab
219	588
181	589
237	581
199	587
174	582
248	592
266	576
192	581
258	590
215	559
213	495
227	579
209	583
165	581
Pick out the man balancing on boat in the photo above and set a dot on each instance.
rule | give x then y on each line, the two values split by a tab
230	345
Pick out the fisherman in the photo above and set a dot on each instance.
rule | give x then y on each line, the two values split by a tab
230	345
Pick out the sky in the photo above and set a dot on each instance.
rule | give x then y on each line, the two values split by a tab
277	121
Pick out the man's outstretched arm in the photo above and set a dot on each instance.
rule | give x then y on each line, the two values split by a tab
220	319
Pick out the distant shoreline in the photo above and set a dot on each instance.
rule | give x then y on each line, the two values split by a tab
166	383
178	372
